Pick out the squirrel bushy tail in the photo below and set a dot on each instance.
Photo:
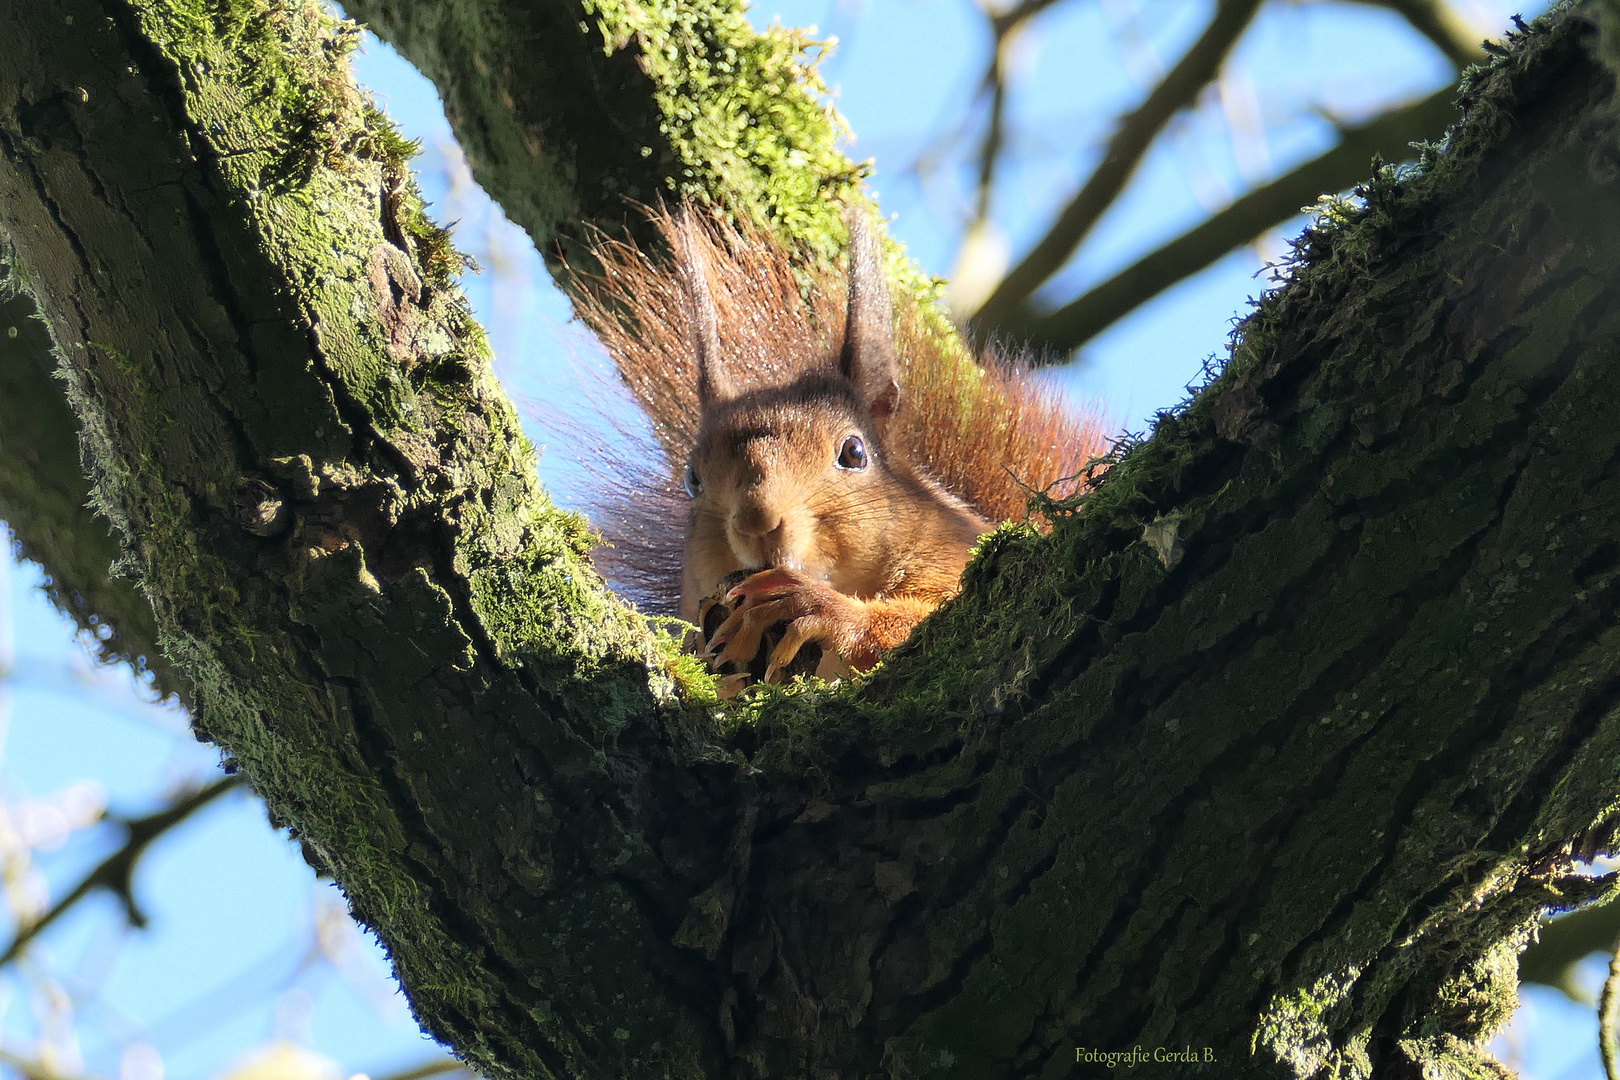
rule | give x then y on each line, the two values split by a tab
988	432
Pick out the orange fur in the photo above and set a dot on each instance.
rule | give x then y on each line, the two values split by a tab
986	432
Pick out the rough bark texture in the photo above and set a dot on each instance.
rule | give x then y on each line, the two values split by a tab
44	500
1273	751
567	108
570	113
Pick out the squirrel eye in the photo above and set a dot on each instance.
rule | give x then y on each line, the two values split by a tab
853	454
694	486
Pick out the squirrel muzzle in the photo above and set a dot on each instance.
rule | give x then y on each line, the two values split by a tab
769	527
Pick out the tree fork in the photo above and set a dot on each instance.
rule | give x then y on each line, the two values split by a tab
1276	748
684	99
290	416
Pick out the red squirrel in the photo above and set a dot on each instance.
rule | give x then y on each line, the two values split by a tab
800	482
847	462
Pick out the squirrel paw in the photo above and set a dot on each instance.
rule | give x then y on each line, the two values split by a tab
813	611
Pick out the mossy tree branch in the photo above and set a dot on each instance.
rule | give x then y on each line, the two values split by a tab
1277	748
44	500
566	109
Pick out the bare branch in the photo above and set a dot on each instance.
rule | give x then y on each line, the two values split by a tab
1136	133
1440	23
1565	942
436	1067
1004	26
994	134
116	871
1062	331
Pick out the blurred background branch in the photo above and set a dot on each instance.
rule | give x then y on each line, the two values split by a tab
1056	334
1134	134
1053	326
116	873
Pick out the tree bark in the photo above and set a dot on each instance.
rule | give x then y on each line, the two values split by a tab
44	500
566	109
1269	754
570	114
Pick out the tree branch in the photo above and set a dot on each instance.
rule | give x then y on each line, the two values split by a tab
44	500
1440	23
1004	26
565	111
1136	133
1566	941
1279	747
1056	335
297	419
116	873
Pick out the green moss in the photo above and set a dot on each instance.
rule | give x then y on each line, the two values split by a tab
746	112
415	436
1297	1031
690	679
751	123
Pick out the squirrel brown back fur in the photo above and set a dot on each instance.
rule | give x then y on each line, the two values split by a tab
987	433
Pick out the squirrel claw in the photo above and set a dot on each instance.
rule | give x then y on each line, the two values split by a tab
775	580
811	610
798	632
740	634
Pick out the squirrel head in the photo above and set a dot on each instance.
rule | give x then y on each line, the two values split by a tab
797	475
983	432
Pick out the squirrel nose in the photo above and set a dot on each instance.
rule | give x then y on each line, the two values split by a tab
759	538
758	526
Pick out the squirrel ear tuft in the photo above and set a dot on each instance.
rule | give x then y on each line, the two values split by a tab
703	323
867	358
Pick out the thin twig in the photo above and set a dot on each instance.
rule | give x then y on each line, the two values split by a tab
994	135
1125	150
1608	1015
1056	335
991	88
436	1067
116	871
1004	25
